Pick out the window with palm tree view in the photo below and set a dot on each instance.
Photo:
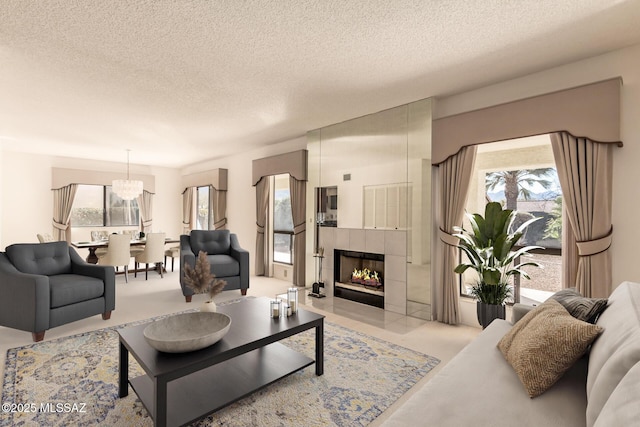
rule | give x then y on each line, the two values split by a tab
521	175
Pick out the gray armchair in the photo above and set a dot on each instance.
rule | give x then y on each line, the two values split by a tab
44	285
228	260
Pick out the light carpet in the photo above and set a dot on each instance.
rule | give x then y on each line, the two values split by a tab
74	381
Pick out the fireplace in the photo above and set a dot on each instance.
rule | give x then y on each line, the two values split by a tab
359	276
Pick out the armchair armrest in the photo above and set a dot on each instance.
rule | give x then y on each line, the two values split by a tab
103	272
24	298
242	256
186	257
519	311
186	252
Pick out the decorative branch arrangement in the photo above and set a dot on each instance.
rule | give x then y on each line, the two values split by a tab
200	279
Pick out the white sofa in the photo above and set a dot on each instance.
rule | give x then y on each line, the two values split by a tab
479	388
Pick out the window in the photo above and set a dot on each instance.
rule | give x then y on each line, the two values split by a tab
98	206
282	220
204	210
522	176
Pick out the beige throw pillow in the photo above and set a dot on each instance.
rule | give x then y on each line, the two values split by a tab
544	344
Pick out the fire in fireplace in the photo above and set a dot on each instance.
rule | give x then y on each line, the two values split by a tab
359	276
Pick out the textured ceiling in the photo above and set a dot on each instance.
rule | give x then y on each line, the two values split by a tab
179	82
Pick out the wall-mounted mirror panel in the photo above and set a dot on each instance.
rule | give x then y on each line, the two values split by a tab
366	151
371	181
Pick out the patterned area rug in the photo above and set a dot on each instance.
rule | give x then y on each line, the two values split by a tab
74	381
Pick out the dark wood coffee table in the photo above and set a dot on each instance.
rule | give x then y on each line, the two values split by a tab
183	387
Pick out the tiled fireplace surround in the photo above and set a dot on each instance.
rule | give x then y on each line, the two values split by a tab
391	243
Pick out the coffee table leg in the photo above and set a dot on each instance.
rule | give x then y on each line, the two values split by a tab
160	403
320	348
124	371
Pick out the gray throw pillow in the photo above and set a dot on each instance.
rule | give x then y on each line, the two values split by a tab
582	308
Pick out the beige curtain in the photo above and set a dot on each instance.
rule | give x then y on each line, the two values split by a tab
145	203
262	201
218	203
585	175
454	176
569	252
298	192
187	209
62	203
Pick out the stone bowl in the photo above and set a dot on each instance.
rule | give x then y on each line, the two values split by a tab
186	332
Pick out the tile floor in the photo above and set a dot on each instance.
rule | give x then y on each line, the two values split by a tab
142	299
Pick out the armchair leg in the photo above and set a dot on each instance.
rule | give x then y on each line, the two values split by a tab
38	336
243	292
146	271
126	274
106	315
188	298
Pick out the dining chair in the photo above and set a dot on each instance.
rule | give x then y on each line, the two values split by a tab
153	253
98	235
44	238
133	250
117	253
174	253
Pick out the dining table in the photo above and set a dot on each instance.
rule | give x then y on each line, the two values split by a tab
93	245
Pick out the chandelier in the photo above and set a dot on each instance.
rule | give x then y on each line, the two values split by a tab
127	189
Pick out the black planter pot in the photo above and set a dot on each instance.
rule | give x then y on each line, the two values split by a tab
488	312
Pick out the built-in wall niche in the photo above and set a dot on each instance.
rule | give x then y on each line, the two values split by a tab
327	206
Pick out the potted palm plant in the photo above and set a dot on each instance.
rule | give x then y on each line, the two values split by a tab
489	247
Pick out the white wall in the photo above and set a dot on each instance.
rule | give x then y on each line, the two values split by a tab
626	175
26	200
241	195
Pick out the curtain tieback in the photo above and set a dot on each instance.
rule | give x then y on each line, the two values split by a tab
595	246
59	225
297	229
447	238
260	228
148	223
220	223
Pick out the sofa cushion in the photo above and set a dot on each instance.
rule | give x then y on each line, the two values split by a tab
213	242
582	308
615	351
623	406
224	265
46	259
68	289
479	388
544	344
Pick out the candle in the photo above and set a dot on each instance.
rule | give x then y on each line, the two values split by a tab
275	309
292	299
